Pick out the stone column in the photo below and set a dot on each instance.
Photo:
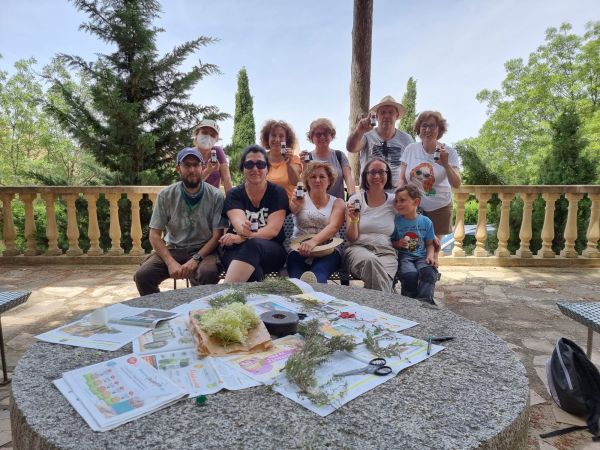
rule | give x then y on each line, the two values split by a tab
548	228
459	226
72	229
571	227
51	232
504	228
593	231
29	224
8	231
481	232
93	228
136	225
525	233
115	228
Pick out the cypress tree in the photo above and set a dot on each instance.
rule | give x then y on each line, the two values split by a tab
409	100
244	129
139	114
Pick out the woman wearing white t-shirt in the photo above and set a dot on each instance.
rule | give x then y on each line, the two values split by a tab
433	166
370	255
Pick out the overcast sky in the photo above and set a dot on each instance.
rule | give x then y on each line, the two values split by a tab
298	53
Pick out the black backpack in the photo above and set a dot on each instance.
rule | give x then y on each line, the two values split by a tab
574	384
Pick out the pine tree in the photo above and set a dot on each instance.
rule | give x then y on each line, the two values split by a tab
566	163
140	114
409	100
244	129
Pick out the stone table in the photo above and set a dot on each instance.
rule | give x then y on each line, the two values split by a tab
474	394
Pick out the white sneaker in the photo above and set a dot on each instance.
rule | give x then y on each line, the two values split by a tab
309	277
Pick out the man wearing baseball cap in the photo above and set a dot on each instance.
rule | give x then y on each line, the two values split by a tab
189	212
215	166
381	139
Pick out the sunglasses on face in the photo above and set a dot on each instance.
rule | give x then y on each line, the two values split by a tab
419	173
319	134
260	164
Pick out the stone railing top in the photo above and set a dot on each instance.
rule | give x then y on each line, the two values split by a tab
465	189
80	189
529	189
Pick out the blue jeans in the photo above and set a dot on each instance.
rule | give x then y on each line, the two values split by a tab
321	267
417	277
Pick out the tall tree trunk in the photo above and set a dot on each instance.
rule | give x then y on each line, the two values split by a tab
360	75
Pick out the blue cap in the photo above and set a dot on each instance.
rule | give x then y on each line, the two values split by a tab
187	152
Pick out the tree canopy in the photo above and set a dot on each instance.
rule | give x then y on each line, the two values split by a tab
244	128
409	100
139	114
562	74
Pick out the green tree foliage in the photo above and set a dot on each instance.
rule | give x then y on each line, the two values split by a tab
244	128
474	170
566	163
409	100
33	146
563	74
139	114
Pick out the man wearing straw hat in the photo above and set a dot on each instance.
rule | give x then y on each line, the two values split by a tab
382	140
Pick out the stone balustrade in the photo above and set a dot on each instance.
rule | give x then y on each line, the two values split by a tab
523	256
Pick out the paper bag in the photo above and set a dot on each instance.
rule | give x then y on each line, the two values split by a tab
258	340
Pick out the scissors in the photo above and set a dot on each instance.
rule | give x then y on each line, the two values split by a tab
376	366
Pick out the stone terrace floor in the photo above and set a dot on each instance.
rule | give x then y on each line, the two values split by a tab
518	304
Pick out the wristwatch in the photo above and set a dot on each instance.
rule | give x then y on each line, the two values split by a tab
197	257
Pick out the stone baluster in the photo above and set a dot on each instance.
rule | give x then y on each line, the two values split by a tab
526	233
29	224
115	227
8	231
548	228
593	231
570	232
504	228
459	224
72	228
136	225
51	233
93	228
481	232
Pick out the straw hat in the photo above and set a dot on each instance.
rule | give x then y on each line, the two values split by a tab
319	250
388	100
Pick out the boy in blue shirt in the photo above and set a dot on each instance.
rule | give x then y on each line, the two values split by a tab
413	236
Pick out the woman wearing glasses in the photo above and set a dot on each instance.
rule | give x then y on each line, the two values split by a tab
321	132
435	167
285	166
253	244
370	255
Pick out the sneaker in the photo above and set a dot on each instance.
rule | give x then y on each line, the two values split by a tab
309	277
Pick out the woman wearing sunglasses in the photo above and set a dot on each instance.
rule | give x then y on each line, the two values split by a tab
253	244
285	165
321	132
370	255
433	166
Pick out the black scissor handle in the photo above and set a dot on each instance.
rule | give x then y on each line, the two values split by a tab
383	370
378	362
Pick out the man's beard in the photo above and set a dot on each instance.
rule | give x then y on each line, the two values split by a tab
191	184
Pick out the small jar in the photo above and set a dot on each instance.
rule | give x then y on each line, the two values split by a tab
300	190
254	222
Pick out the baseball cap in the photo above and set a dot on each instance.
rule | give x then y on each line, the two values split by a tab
187	152
207	123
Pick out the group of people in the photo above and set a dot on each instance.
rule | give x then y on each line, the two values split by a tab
242	231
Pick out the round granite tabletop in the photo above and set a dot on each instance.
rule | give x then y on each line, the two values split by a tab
474	394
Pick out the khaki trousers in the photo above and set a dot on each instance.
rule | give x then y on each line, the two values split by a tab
375	264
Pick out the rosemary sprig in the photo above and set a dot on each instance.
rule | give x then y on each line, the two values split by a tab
300	367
